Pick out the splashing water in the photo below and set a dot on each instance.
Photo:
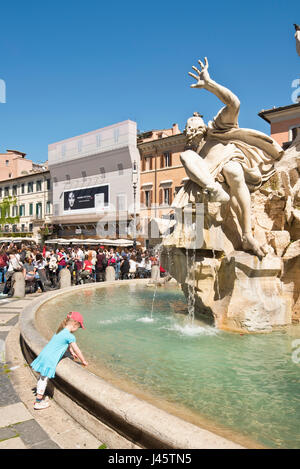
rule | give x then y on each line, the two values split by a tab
190	268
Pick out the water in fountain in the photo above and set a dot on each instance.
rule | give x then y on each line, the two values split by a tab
190	272
199	370
215	267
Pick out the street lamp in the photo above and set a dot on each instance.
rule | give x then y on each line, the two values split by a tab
134	183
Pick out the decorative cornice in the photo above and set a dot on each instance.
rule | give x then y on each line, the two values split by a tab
162	143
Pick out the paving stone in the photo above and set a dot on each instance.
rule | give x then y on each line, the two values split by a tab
14	413
7	432
12	443
5	318
31	432
48	444
13	321
5	328
8	395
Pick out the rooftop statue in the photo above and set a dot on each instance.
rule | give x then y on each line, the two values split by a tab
297	36
225	161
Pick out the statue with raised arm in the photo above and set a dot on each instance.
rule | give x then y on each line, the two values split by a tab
225	161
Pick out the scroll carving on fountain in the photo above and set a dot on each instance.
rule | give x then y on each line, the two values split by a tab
242	201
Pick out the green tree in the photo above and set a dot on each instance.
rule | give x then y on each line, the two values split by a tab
5	218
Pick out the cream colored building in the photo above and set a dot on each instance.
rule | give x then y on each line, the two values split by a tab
32	203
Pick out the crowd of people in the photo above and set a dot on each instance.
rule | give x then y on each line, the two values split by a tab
41	266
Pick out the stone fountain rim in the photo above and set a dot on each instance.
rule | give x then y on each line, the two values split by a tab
135	419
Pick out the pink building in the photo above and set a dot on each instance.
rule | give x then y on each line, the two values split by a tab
13	164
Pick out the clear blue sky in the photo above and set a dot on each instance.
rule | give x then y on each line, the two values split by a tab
74	66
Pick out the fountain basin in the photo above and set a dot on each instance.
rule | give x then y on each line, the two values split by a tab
242	387
118	418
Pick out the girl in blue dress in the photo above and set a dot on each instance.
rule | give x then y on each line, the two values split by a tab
46	362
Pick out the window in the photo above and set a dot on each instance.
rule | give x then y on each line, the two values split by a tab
48	207
23	188
7	162
6	191
48	182
167	159
30	227
23	227
30	187
38	210
121	202
148	163
15	190
148	198
166	196
0	191
22	210
15	211
30	209
116	135
120	169
38	186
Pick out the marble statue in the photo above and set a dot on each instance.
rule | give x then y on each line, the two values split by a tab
247	190
297	37
243	159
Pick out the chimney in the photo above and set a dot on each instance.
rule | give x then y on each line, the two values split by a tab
175	129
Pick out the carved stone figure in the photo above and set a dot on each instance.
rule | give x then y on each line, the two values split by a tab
297	37
221	152
248	192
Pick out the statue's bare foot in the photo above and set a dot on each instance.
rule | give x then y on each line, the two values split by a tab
250	244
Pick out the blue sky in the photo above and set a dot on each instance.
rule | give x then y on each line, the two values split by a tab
74	66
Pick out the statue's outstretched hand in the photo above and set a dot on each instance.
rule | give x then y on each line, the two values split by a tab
202	76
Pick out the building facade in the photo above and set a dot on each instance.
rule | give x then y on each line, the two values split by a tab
162	176
14	164
284	121
26	205
93	182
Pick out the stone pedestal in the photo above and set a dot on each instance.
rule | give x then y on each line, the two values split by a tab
250	295
155	274
239	291
110	274
64	278
18	285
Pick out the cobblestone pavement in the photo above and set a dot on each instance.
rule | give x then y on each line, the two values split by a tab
22	427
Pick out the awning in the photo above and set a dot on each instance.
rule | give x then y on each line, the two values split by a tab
106	242
16	240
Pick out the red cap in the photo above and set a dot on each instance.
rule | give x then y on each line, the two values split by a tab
76	317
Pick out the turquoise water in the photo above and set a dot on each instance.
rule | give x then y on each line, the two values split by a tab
247	384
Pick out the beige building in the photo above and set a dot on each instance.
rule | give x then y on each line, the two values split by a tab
161	176
30	200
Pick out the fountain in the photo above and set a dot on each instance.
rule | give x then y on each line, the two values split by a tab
159	373
247	258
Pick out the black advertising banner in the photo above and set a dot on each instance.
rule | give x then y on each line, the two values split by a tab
95	198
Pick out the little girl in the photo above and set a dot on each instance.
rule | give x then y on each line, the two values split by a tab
46	362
